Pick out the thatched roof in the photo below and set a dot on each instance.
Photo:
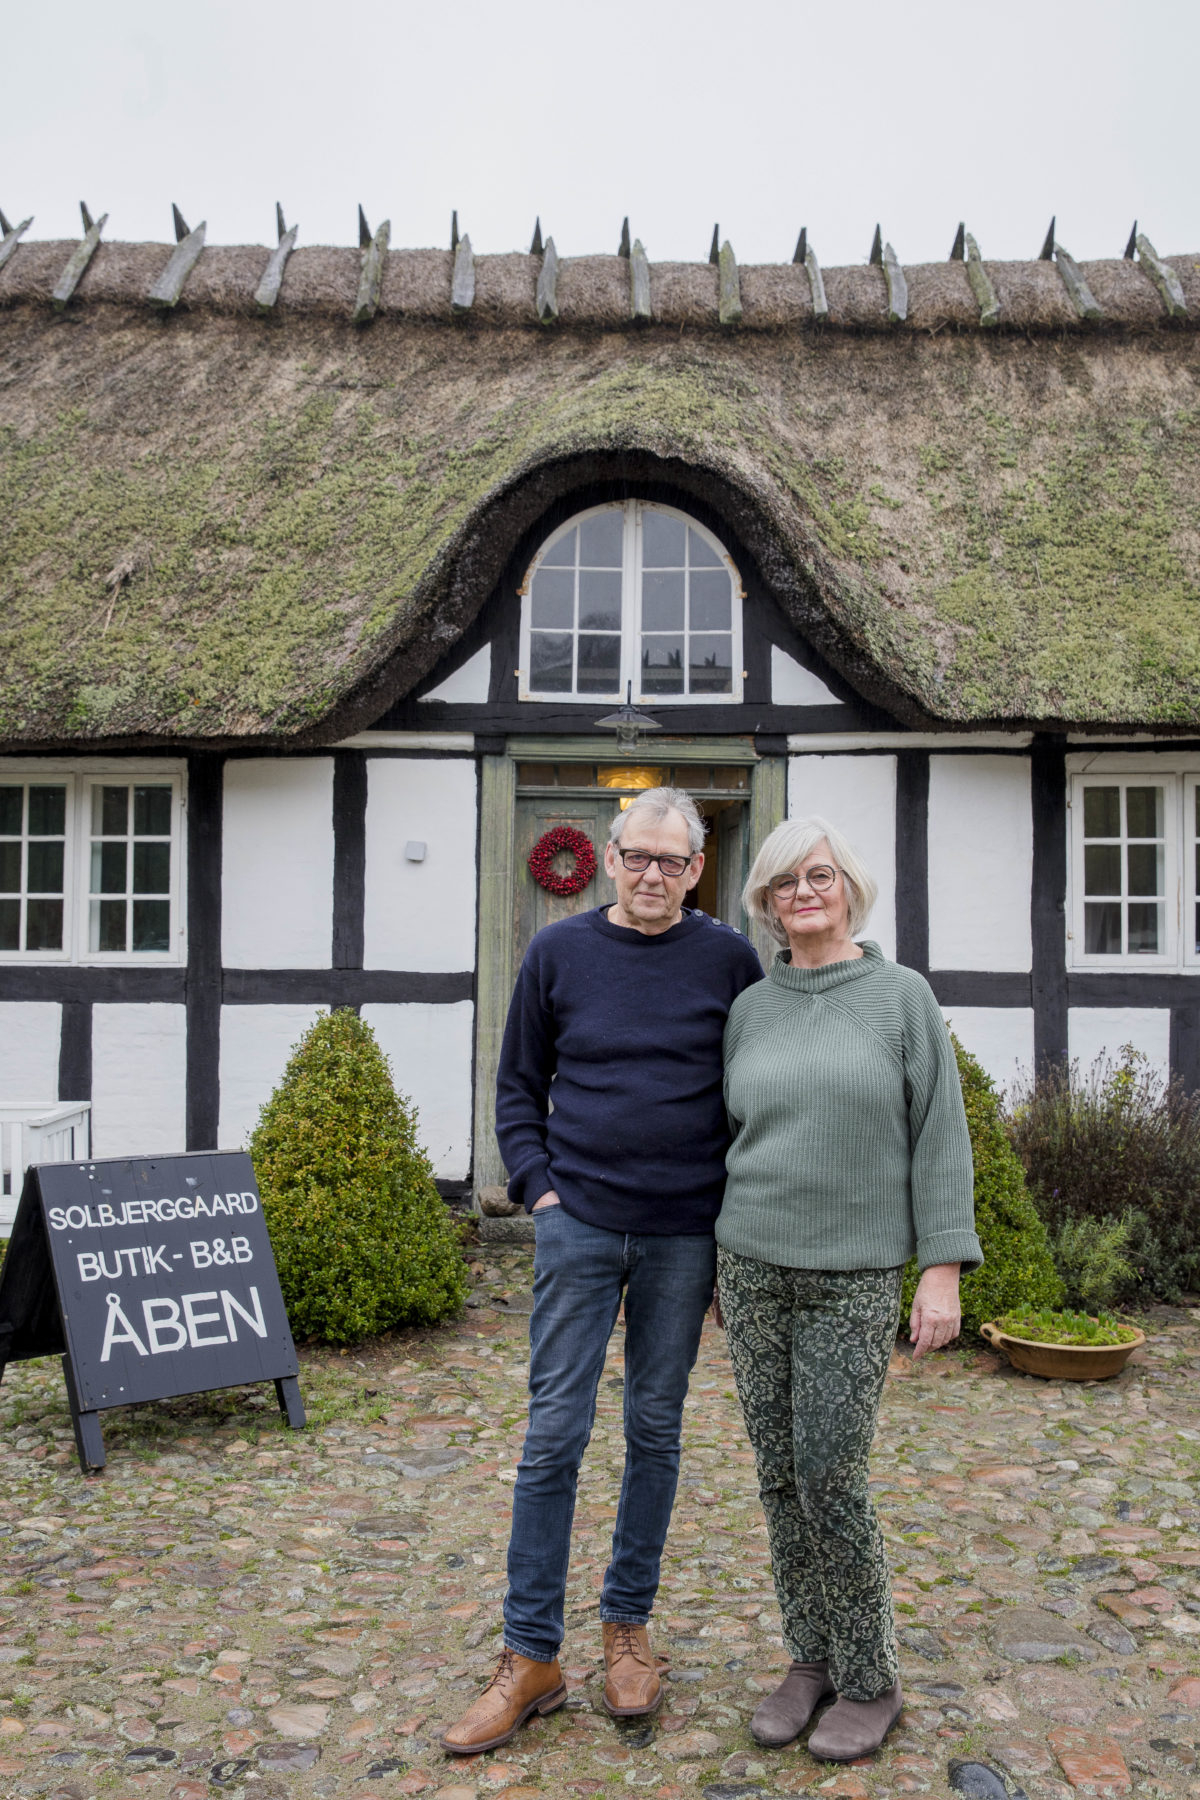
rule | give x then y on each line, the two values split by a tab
220	527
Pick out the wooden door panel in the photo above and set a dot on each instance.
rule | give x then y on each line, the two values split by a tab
533	907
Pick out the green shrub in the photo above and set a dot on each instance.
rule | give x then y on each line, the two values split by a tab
362	1238
1018	1268
1089	1254
1118	1144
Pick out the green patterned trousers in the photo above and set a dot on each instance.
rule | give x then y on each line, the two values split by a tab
810	1350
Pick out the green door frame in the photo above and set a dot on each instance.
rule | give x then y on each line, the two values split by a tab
495	973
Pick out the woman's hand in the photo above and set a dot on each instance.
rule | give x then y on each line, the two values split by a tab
936	1313
718	1315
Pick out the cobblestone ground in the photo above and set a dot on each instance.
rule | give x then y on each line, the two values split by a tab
232	1607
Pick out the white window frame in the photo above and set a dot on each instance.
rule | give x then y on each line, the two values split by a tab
80	776
1178	775
631	615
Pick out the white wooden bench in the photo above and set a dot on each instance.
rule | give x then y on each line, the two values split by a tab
37	1131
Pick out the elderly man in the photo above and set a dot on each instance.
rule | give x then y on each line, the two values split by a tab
617	1021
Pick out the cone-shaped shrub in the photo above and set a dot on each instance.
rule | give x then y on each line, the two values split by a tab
362	1238
1018	1267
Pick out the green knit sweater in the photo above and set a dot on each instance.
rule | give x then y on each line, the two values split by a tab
851	1148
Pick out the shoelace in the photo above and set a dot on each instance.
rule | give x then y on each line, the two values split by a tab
627	1645
503	1668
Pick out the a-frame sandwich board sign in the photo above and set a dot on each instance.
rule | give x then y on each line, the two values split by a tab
151	1277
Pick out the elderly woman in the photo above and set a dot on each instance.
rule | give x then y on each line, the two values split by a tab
850	1154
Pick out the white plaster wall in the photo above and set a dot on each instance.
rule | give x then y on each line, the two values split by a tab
469	684
1094	1031
139	1079
256	1042
794	685
420	915
429	1048
30	1032
857	794
1000	1037
277	863
980	862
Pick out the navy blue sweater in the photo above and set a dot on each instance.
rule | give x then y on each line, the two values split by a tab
622	1032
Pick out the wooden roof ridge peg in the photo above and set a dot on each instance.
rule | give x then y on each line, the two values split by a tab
547	286
537	248
897	287
267	291
623	246
1082	297
12	236
1163	277
1046	253
165	292
816	283
454	232
462	285
958	251
79	258
370	275
1131	244
876	255
981	285
800	253
714	249
639	284
729	288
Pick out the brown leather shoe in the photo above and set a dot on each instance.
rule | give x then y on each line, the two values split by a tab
518	1688
631	1684
854	1728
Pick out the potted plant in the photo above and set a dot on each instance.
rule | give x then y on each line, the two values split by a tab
1064	1345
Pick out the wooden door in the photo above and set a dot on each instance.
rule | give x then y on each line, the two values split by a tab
533	907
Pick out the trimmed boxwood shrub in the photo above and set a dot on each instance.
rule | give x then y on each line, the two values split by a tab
362	1238
1018	1268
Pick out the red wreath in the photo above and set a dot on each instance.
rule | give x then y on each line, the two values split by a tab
548	846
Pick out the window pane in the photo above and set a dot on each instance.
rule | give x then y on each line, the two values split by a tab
47	811
700	554
599	663
711	665
662	602
562	554
110	811
552	602
10	868
601	540
1145	863
710	601
152	868
662	541
1101	812
45	867
152	811
151	924
10	811
1143	811
662	665
43	925
107	925
1145	933
550	662
600	600
10	924
108	868
1102	869
1102	929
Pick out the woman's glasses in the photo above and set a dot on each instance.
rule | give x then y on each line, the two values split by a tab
820	878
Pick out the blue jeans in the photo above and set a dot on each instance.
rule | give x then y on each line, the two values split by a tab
579	1276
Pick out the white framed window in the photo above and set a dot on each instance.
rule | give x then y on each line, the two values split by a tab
632	592
91	860
1133	887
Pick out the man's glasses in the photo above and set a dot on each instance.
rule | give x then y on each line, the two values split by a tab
820	879
638	861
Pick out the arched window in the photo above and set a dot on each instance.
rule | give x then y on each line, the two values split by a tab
631	592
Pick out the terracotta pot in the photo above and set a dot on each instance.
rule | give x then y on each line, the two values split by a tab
1063	1362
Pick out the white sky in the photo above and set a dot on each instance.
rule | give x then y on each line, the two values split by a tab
763	114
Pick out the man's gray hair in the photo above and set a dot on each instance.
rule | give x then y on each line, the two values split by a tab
651	807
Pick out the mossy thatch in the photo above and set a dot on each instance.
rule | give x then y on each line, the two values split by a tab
220	528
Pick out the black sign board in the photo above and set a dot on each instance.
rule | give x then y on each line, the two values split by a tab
151	1278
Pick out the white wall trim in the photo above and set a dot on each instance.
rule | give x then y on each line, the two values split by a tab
461	741
831	742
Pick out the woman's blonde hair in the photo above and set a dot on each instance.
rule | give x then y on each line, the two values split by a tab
783	852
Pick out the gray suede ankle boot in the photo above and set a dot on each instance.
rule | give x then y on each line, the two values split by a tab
784	1714
854	1728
